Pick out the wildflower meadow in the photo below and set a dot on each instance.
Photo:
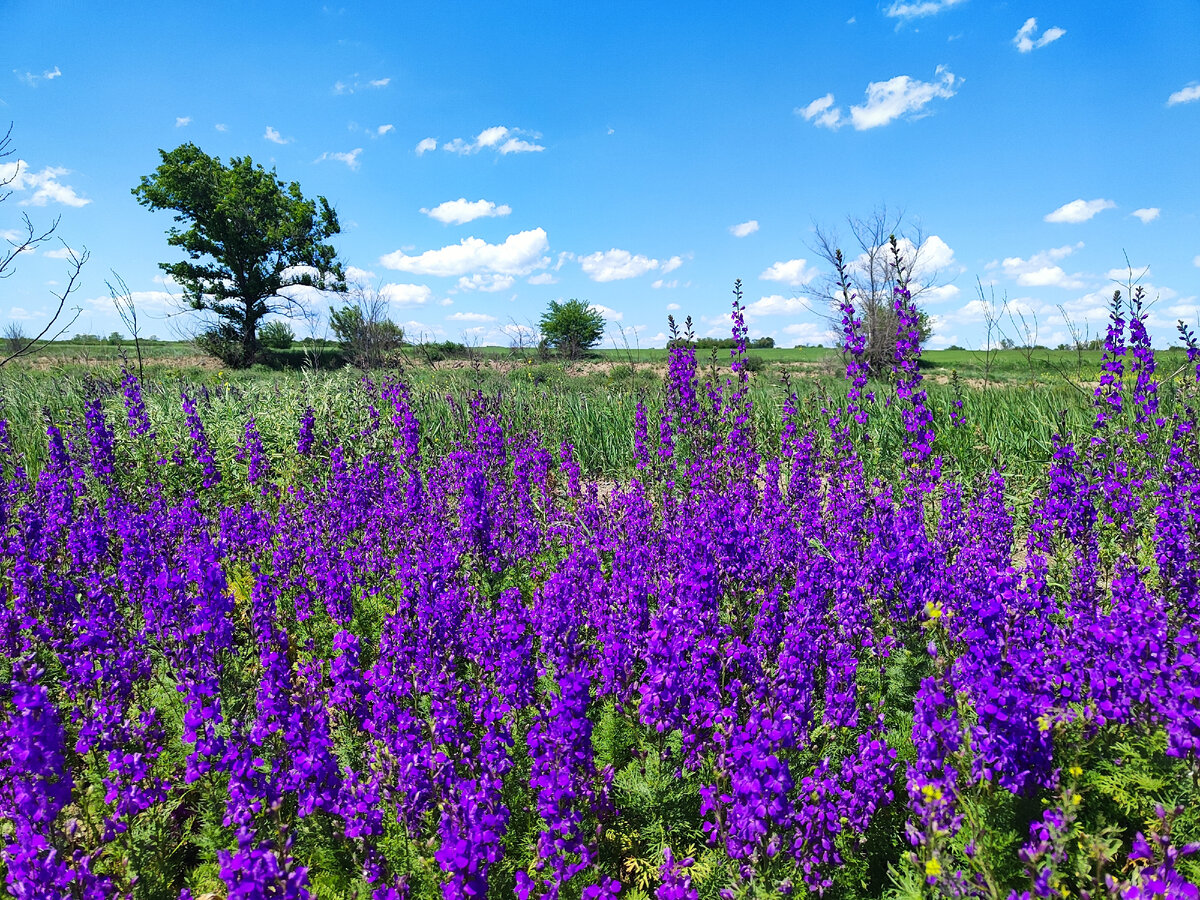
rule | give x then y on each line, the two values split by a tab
340	659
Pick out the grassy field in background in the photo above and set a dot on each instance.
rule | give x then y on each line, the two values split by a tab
1013	402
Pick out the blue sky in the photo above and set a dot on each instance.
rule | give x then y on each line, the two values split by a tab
485	159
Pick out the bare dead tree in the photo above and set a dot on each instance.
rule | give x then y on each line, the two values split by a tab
122	299
26	240
369	338
872	277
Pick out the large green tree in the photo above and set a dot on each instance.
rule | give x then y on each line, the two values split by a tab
248	237
571	327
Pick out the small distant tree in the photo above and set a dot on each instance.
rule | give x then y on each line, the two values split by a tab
572	327
248	237
369	339
277	335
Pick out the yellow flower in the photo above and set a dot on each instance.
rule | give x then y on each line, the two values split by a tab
933	868
933	609
1075	771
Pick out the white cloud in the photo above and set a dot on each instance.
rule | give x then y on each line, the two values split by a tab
1128	273
275	137
940	294
542	278
384	129
1025	42
744	229
21	314
152	302
615	265
1147	214
808	333
776	305
354	84
500	138
822	112
520	254
1079	210
794	272
887	101
60	253
488	284
609	314
181	121
221	126
406	294
671	264
355	275
659	284
1185	94
470	317
45	184
32	80
899	10
673	307
350	159
462	210
426	145
1041	269
1196	261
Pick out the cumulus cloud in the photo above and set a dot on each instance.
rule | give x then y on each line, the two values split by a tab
1147	214
745	229
1185	94
275	137
221	126
181	121
918	10
350	158
1196	261
384	129
615	265
425	145
151	302
45	186
794	272
659	284
776	305
462	210
519	254
672	264
1042	269
1025	42
808	333
498	138
610	315
1079	210
541	278
475	317
673	307
488	284
406	294
822	112
60	253
32	79
899	97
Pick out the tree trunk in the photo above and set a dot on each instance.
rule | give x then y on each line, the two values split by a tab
249	326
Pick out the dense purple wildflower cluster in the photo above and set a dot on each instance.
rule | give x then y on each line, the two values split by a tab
448	674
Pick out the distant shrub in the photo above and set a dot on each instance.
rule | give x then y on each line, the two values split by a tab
277	335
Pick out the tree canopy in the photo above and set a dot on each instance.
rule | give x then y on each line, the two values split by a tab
248	237
571	327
